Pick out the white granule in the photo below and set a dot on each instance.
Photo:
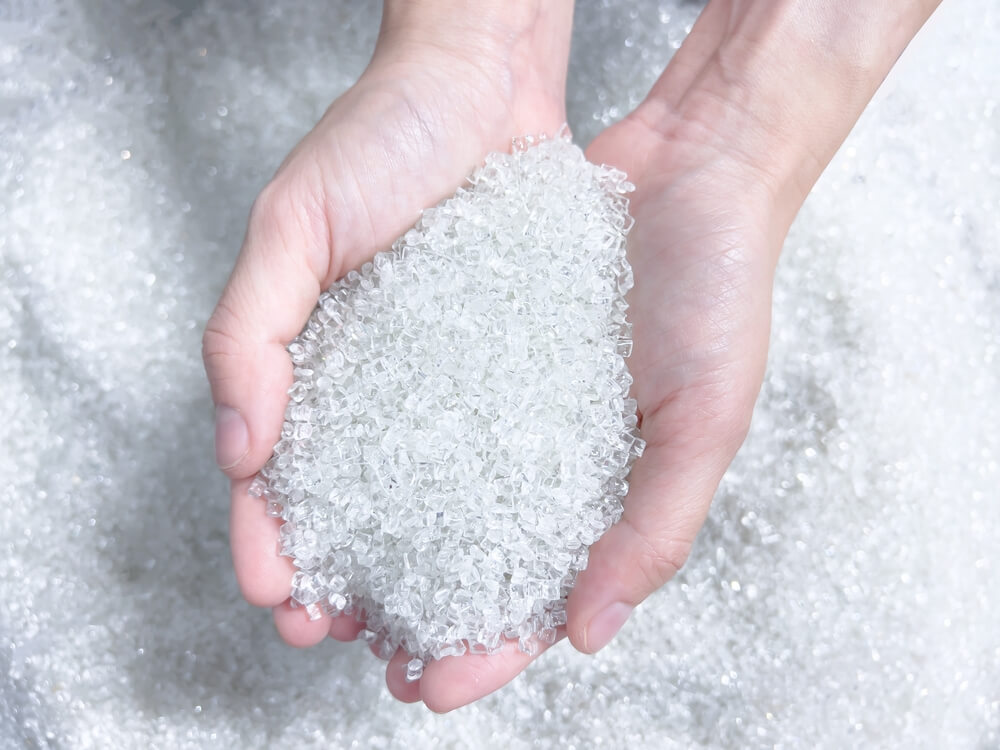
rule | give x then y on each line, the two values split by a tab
459	430
859	521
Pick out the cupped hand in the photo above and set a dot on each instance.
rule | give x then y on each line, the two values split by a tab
709	224
703	252
723	152
438	95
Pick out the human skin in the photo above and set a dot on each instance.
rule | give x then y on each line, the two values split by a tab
723	151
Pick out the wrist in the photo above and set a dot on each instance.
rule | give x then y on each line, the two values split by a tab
775	87
510	32
509	56
435	19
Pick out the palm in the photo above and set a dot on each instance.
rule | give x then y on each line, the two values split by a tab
700	320
700	310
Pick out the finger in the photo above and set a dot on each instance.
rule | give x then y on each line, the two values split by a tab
671	489
395	678
264	576
378	649
267	300
455	681
345	628
295	627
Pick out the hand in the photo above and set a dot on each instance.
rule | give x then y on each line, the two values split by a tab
703	252
723	152
444	88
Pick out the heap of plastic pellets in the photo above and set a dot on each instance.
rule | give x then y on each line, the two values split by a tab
459	431
843	591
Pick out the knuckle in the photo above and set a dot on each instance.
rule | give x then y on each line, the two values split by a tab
725	408
271	205
218	342
292	202
659	560
291	215
733	415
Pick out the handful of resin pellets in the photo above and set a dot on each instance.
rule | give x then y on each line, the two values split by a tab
459	430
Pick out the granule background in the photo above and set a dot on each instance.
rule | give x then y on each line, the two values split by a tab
843	590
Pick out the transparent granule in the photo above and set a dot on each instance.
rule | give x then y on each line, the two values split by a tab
860	518
459	431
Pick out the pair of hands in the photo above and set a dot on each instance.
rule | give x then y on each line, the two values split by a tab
442	90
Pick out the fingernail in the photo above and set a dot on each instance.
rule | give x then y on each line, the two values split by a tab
605	626
232	439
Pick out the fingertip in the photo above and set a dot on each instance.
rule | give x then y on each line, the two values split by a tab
232	440
345	628
443	702
395	679
440	706
576	626
603	597
263	575
456	681
604	626
295	627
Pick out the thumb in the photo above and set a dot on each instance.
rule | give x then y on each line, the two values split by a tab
671	489
268	298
